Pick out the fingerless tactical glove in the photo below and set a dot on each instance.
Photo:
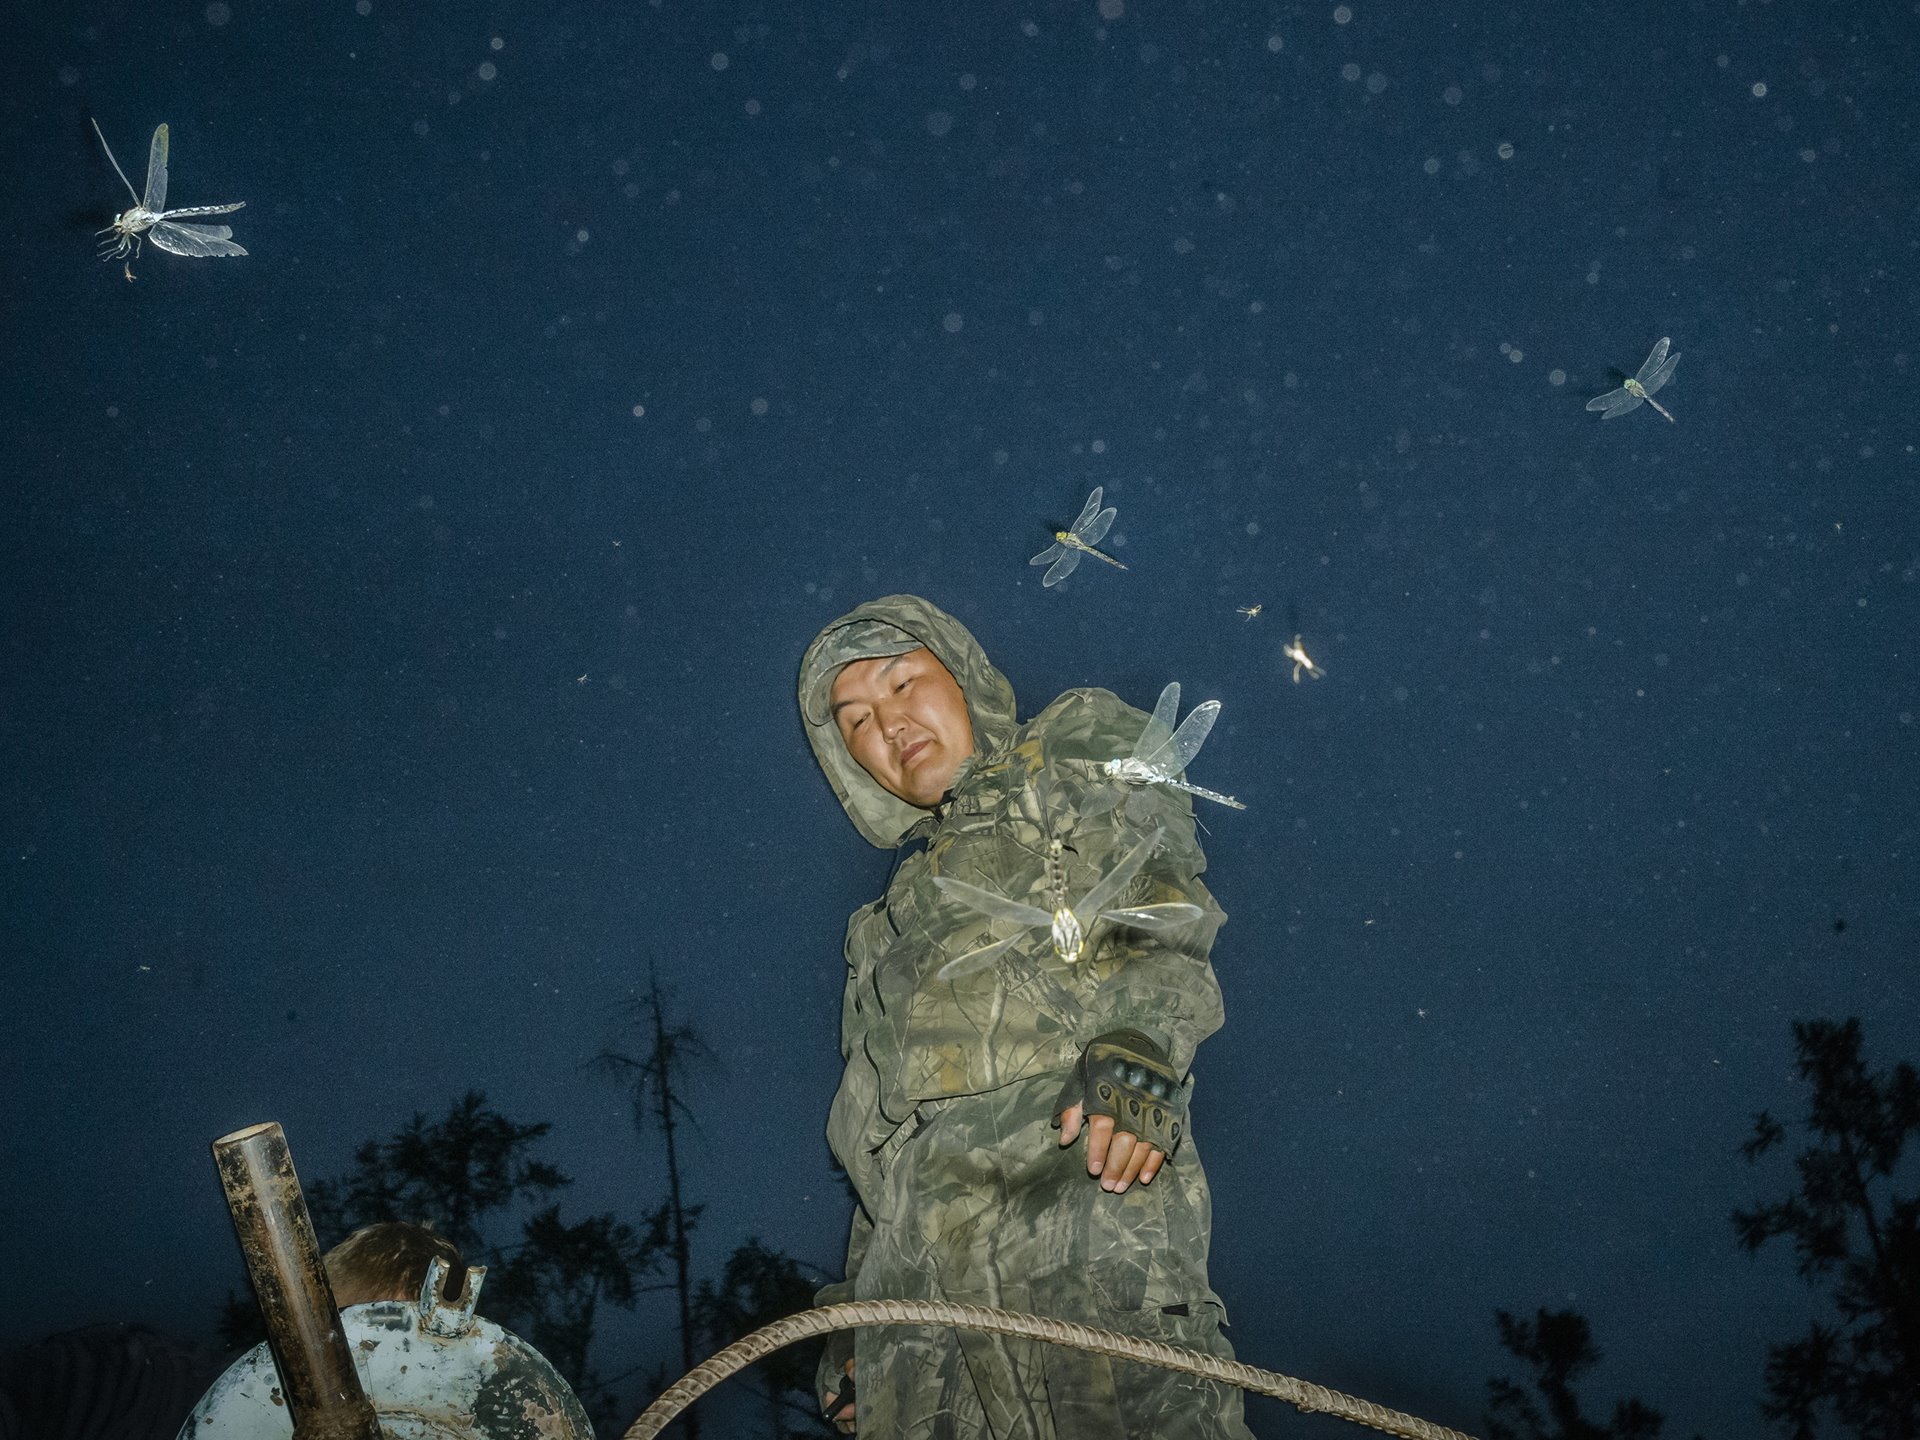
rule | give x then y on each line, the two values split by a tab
1126	1075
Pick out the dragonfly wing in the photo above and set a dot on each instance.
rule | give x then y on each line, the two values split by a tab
1087	512
194	240
1168	916
1048	555
1660	377
1095	530
1117	879
1655	359
988	903
1068	562
1191	735
974	961
156	199
1159	729
1614	402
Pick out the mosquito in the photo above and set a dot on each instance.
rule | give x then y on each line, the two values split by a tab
1067	924
149	216
1297	653
1655	373
1162	752
1250	611
1063	556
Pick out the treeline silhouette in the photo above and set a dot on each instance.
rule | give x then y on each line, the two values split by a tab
476	1176
469	1173
1853	1238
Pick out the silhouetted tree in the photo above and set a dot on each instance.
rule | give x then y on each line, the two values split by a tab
554	1285
1558	1346
1851	1233
652	1083
455	1174
451	1172
758	1287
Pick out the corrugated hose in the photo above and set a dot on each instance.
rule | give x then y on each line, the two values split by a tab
809	1323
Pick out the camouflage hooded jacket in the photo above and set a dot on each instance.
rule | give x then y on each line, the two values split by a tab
906	1035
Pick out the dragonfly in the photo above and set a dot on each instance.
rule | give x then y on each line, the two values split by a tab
1067	924
1062	557
149	217
1297	653
1655	373
1163	752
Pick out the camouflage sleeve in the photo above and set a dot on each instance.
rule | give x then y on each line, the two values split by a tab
1162	985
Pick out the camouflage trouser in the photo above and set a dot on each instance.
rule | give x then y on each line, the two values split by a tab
982	1207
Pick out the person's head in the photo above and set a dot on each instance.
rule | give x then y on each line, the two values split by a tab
904	719
390	1261
944	690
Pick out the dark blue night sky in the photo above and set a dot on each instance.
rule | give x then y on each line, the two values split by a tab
403	620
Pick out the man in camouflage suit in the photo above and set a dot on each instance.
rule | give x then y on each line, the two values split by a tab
962	1100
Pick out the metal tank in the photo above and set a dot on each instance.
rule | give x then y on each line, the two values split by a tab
432	1371
424	1369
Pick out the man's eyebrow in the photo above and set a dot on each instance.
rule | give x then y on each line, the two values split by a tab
838	705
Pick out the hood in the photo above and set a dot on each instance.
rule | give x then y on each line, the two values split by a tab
885	819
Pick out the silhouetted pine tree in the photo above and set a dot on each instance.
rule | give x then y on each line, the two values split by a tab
758	1287
1852	1234
1558	1346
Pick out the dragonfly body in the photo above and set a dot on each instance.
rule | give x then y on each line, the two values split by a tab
1134	773
1635	388
149	218
1639	387
1162	753
1063	556
1069	936
1073	541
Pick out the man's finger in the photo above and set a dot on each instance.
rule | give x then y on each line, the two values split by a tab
1136	1164
1099	1136
1069	1125
1119	1151
1152	1167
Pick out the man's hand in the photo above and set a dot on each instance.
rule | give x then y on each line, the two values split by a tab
839	1412
1117	1159
1137	1103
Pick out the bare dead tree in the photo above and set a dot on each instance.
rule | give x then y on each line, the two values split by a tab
653	1082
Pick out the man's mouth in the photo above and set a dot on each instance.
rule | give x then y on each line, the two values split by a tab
908	755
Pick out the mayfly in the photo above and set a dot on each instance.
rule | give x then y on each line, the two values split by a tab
1655	373
1162	752
150	217
1297	653
1067	924
1063	556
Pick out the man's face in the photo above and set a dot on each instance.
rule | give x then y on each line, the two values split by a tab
905	720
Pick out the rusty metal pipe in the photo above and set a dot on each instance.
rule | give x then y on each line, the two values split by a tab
317	1376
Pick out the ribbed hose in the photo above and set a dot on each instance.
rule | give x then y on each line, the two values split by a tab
763	1342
